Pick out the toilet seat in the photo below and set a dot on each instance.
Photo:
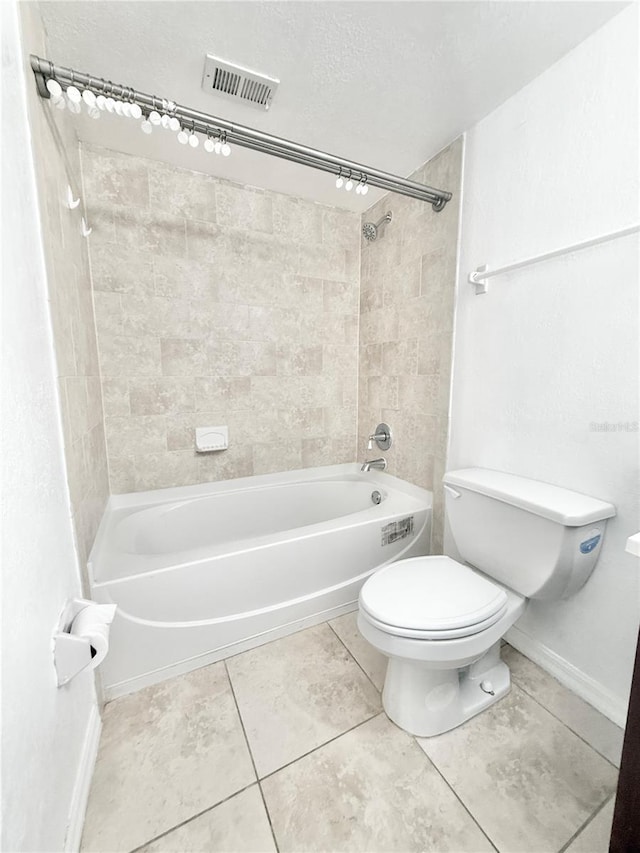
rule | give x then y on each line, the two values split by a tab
450	634
431	598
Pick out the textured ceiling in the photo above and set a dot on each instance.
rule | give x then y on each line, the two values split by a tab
385	83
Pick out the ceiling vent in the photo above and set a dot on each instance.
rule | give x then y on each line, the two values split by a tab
237	83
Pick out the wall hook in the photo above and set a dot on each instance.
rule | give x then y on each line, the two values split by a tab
84	228
72	202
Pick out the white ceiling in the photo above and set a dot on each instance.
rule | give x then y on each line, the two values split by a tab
386	83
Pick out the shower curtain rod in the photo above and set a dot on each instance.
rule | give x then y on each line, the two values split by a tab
241	135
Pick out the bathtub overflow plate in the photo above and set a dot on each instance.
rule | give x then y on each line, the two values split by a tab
376	497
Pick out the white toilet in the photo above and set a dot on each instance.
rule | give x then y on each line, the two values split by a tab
440	622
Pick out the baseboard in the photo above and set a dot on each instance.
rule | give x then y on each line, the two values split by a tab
83	782
582	685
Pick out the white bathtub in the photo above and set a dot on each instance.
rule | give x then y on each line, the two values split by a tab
203	572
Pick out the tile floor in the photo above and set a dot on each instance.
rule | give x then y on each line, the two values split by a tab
285	747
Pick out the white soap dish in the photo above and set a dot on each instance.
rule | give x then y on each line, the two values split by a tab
212	438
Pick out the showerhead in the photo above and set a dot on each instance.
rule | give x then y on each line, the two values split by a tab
370	229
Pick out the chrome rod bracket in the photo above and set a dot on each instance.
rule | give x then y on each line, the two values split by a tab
41	84
39	74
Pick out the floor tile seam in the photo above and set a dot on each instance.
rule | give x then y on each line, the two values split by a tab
268	813
320	746
244	731
277	639
193	817
516	678
353	657
455	793
562	722
594	814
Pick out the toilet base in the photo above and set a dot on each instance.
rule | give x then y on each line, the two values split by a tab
427	702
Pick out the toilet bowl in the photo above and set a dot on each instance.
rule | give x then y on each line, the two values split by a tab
441	622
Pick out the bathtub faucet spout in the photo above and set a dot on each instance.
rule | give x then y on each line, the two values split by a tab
380	464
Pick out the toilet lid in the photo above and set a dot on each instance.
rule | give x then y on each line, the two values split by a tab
432	594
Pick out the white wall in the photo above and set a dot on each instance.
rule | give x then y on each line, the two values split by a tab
551	349
46	731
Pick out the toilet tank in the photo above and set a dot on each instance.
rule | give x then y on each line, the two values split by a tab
541	541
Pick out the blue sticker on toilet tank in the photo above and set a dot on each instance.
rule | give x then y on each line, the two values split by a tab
588	545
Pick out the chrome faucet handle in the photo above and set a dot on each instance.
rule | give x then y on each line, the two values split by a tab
382	437
379	437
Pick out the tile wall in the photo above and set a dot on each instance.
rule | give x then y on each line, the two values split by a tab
219	304
57	163
407	295
223	304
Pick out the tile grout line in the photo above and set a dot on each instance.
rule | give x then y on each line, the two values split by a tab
453	791
189	819
351	655
226	799
311	751
320	746
284	637
244	732
562	722
253	763
418	745
539	703
258	780
268	813
587	822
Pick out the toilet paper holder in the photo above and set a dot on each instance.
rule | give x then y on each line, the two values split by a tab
71	654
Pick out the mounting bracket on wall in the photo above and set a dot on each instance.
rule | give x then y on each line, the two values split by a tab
476	278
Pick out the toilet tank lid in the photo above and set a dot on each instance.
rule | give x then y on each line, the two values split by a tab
563	506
